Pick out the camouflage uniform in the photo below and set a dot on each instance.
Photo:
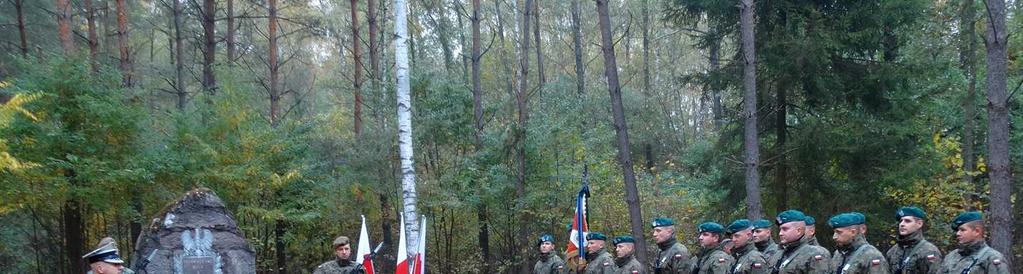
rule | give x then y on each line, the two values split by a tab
749	261
672	259
338	267
628	265
975	258
859	257
549	264
712	261
600	262
768	248
798	258
912	254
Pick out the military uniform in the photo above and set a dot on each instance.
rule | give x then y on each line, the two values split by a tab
798	257
810	221
912	254
672	257
747	259
712	261
768	247
975	258
338	267
549	264
628	265
600	262
859	257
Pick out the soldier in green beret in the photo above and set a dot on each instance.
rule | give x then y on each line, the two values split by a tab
974	255
811	230
549	263
673	257
853	255
796	256
625	248
598	261
763	239
912	254
710	259
343	264
747	259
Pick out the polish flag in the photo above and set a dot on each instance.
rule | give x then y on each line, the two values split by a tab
574	256
363	257
403	266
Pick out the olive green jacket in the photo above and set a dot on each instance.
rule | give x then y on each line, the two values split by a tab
600	262
712	261
672	259
912	254
338	267
749	261
977	257
768	248
799	258
629	265
859	257
549	263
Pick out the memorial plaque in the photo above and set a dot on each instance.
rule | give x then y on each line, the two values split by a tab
198	265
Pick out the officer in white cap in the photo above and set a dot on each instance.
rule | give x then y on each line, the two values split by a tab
105	259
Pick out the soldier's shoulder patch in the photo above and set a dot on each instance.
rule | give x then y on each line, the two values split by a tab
875	262
997	262
932	257
635	272
818	257
721	260
757	265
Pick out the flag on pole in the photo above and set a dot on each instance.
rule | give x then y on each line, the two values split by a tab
420	263
363	257
577	238
403	265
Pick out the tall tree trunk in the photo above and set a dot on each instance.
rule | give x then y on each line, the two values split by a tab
715	65
230	36
374	47
275	94
209	14
280	254
521	97
621	128
408	171
124	48
179	58
781	131
477	106
73	235
968	63
751	143
996	40
646	47
461	40
22	35
505	62
90	19
64	26
357	66
539	51
577	42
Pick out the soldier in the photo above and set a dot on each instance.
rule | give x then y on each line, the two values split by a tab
549	262
762	238
796	256
727	245
625	247
598	261
747	259
343	264
853	255
811	231
105	259
912	254
711	259
113	243
673	257
973	255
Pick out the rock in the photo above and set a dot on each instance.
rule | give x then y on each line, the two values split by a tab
197	234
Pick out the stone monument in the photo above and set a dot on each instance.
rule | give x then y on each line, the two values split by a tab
195	235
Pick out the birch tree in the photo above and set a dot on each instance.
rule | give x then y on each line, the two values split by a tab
408	171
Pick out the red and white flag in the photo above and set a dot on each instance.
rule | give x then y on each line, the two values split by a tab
364	255
403	265
577	238
420	264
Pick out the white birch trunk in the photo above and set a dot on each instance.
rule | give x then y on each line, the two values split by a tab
408	172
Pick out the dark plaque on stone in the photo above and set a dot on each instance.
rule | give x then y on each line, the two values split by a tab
197	234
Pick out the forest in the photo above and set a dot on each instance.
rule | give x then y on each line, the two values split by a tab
486	117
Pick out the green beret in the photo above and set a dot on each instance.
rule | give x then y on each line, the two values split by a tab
545	238
910	211
810	220
662	221
966	217
789	216
847	219
739	225
762	223
596	236
623	239
711	227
